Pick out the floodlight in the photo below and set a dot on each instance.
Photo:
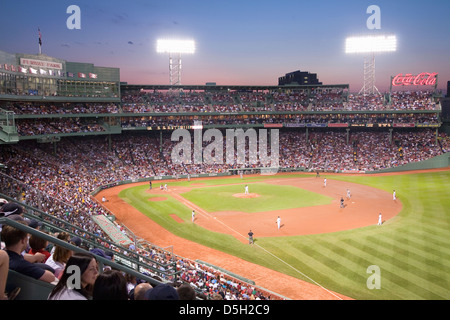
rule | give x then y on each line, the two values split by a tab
175	48
369	45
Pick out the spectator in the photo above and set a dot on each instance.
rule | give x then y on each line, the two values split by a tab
4	268
11	210
76	241
140	290
186	292
162	292
15	243
67	290
38	245
59	256
131	282
110	285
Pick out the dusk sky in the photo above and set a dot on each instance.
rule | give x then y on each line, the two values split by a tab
245	42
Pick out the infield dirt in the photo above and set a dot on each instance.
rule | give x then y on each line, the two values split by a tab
360	210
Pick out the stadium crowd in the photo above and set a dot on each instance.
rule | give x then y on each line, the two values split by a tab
20	108
295	100
59	178
63	191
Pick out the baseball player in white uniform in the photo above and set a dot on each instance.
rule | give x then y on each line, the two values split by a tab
279	222
394	197
193	215
246	189
380	220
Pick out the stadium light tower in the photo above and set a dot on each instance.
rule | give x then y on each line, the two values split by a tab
369	45
175	48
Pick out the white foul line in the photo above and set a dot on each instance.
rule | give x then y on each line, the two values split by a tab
191	205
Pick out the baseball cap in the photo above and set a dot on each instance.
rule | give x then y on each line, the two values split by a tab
162	292
35	223
100	252
76	241
11	208
19	218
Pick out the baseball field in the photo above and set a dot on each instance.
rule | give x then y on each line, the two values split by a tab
321	250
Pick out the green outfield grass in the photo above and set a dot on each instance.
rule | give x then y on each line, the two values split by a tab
412	250
271	197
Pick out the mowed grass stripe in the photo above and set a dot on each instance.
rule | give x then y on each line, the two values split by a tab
417	248
428	224
359	255
395	273
307	261
410	264
412	249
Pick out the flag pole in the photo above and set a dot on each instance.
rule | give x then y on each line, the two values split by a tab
40	41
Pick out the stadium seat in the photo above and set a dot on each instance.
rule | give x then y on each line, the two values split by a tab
31	289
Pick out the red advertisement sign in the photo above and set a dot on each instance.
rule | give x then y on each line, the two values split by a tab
422	79
338	125
404	125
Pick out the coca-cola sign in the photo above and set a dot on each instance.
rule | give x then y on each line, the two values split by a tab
422	79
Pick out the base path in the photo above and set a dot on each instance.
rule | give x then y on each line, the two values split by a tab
360	210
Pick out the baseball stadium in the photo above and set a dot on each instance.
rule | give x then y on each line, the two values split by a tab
354	204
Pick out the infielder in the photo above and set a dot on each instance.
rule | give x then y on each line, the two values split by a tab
250	237
348	194
325	182
279	222
193	215
394	197
380	220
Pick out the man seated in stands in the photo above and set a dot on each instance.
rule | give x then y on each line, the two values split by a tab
15	243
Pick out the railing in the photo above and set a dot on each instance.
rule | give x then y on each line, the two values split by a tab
101	260
52	223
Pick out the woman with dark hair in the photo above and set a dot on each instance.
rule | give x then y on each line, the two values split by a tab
110	285
78	278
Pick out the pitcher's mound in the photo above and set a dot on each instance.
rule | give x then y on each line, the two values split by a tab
243	195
